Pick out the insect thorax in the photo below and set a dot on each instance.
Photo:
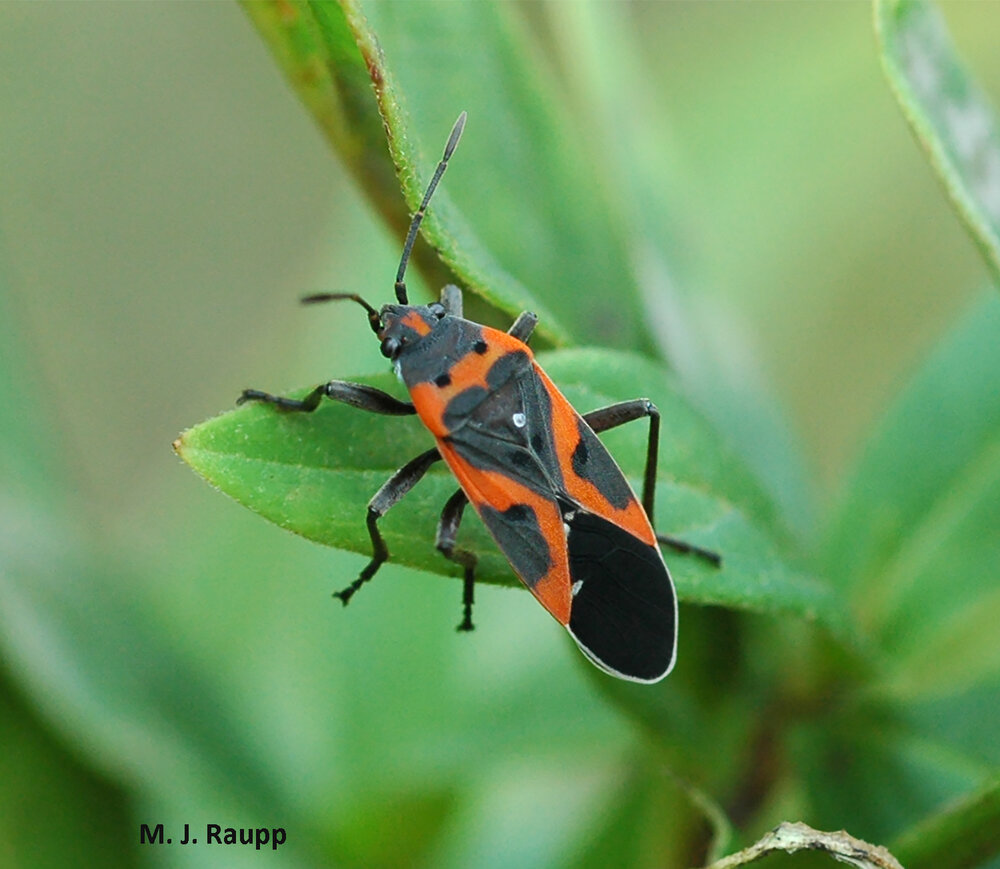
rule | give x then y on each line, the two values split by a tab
431	358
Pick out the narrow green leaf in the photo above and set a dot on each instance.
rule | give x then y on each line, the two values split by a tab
314	473
333	59
329	75
915	541
950	116
962	835
529	180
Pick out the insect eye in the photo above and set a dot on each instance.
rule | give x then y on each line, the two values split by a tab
437	309
390	346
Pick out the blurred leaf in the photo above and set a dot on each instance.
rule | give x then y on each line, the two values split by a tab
44	786
332	57
962	835
963	716
915	541
951	118
637	150
100	661
313	474
531	183
632	833
96	666
44	783
416	820
867	768
102	667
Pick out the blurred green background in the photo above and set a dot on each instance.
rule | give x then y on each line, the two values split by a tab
164	199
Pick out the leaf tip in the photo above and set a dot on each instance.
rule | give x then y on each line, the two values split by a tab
179	446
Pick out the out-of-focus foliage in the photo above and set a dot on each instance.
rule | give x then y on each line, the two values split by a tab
726	189
952	119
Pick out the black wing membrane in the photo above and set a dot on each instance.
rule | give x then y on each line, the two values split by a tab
624	614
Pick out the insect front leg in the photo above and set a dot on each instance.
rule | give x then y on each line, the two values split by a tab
355	394
614	415
447	533
391	492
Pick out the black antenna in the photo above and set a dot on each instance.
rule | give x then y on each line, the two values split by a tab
373	318
411	236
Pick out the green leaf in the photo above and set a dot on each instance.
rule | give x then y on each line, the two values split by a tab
333	59
865	766
596	44
528	179
914	545
520	208
314	473
962	835
632	832
65	624
914	541
45	786
951	118
145	719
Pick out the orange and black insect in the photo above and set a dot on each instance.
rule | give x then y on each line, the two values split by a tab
533	468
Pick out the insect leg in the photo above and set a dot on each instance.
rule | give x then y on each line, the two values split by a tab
615	415
391	492
447	532
355	394
523	326
686	548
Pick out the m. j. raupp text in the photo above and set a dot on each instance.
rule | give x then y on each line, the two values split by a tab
215	834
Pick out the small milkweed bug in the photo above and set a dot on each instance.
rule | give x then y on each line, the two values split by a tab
546	488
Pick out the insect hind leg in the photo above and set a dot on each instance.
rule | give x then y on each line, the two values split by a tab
447	533
614	415
392	491
686	548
